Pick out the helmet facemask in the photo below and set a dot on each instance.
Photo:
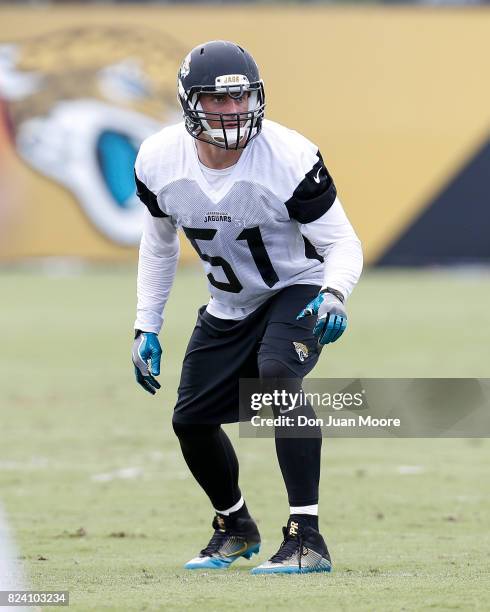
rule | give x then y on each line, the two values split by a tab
236	130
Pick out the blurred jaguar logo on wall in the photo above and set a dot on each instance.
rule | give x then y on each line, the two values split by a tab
80	101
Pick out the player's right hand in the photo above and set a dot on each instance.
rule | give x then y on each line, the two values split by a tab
147	352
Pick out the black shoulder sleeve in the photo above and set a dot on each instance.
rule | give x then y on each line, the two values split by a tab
148	198
313	196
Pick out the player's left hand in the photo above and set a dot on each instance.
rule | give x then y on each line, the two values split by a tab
332	317
147	351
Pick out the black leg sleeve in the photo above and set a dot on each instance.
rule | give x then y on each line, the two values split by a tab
299	459
299	455
211	458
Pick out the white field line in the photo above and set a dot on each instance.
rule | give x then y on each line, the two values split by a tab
126	473
35	463
410	469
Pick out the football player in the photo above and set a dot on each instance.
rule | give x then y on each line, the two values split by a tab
260	208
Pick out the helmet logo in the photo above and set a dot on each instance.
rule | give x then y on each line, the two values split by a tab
186	67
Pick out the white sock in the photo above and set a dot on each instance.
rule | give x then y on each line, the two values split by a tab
313	509
234	508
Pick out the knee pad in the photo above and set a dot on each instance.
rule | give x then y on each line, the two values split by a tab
276	376
189	431
273	368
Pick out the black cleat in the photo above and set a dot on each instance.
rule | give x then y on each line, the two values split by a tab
232	538
302	551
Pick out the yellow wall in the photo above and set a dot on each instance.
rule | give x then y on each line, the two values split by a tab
396	99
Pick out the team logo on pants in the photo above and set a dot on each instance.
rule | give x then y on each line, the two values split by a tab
301	349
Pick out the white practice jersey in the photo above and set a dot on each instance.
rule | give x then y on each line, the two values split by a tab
271	221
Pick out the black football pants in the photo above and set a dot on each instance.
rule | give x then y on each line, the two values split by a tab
264	345
211	458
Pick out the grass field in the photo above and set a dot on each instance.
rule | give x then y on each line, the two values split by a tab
102	504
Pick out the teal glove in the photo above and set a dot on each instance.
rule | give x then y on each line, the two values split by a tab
146	351
332	318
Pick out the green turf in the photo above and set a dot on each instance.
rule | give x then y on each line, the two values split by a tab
72	416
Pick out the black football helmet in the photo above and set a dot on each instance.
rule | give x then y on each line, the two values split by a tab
221	67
